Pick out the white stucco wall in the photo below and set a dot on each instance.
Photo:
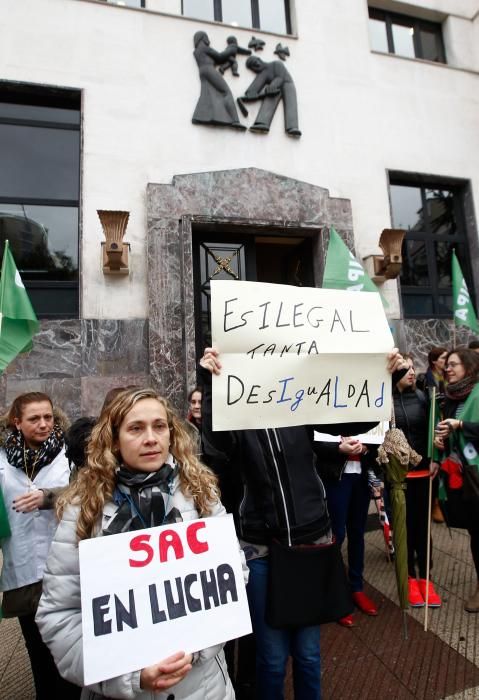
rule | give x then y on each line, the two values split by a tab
361	113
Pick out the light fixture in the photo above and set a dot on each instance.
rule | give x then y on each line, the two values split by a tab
387	266
114	250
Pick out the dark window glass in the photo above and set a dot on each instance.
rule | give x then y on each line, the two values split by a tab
270	15
434	221
405	36
39	192
38	162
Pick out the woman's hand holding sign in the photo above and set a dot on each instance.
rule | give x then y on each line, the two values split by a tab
167	673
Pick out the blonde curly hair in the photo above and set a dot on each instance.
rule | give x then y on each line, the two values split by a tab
96	482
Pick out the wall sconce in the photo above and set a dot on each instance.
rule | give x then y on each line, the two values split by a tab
388	266
114	251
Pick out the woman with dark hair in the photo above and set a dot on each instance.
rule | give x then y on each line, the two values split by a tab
434	375
457	437
411	414
194	406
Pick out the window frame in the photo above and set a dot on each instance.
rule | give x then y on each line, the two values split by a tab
460	238
390	18
255	14
30	96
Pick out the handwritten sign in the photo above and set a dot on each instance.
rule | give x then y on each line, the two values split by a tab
298	355
375	436
150	593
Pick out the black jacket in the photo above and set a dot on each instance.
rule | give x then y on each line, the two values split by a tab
331	462
411	412
281	491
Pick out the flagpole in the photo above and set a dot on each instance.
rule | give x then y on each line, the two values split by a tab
429	508
2	284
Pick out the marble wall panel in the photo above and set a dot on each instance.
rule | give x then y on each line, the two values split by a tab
95	388
111	347
65	393
247	196
56	352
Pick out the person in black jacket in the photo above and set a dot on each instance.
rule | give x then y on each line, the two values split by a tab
282	497
411	412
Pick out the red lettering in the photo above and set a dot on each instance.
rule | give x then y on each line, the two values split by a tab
170	538
139	544
196	546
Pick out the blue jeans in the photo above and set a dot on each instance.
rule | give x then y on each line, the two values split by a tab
348	504
273	647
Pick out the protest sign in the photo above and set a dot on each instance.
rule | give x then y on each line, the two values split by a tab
298	355
150	593
375	436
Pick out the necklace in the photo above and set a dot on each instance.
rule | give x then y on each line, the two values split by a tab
34	464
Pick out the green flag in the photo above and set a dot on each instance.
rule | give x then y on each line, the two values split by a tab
4	524
342	270
463	309
18	323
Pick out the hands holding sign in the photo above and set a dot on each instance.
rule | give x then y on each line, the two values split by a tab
167	673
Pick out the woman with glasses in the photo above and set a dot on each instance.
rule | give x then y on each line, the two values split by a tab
457	438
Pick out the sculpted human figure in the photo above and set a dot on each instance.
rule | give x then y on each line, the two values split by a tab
233	49
216	104
272	83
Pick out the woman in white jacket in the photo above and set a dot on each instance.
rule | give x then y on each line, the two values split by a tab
141	472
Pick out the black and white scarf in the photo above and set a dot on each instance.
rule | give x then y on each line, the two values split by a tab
31	461
144	499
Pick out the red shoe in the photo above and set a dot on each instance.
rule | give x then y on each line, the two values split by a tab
433	600
346	621
414	594
364	603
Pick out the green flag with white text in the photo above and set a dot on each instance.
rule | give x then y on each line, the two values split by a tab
18	322
342	270
464	314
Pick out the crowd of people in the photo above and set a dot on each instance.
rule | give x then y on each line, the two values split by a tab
139	465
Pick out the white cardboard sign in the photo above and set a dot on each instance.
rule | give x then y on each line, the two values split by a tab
298	355
375	436
150	593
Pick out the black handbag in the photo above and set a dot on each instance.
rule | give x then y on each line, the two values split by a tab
307	585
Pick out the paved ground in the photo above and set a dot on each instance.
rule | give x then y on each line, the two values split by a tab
372	661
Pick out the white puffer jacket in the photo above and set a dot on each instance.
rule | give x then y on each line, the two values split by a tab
59	620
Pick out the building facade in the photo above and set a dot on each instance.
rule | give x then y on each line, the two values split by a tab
357	115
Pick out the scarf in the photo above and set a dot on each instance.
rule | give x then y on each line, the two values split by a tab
458	391
31	460
144	499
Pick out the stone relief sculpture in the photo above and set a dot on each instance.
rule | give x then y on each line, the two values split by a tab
215	105
233	49
272	84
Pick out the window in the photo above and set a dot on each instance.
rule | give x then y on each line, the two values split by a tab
39	193
433	216
405	36
269	15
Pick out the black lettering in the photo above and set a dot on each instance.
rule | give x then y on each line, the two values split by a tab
296	314
123	615
194	604
299	346
270	349
312	390
226	583
252	394
100	609
270	396
336	319
229	401
325	392
286	348
253	350
313	345
210	589
157	615
278	324
264	325
364	392
356	330
317	321
175	609
351	393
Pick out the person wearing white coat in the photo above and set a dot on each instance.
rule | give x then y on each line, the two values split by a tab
141	452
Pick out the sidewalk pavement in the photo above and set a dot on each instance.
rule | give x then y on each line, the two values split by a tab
371	661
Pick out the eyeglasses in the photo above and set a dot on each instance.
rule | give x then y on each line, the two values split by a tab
451	365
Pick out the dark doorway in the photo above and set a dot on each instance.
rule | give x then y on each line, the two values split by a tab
274	257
